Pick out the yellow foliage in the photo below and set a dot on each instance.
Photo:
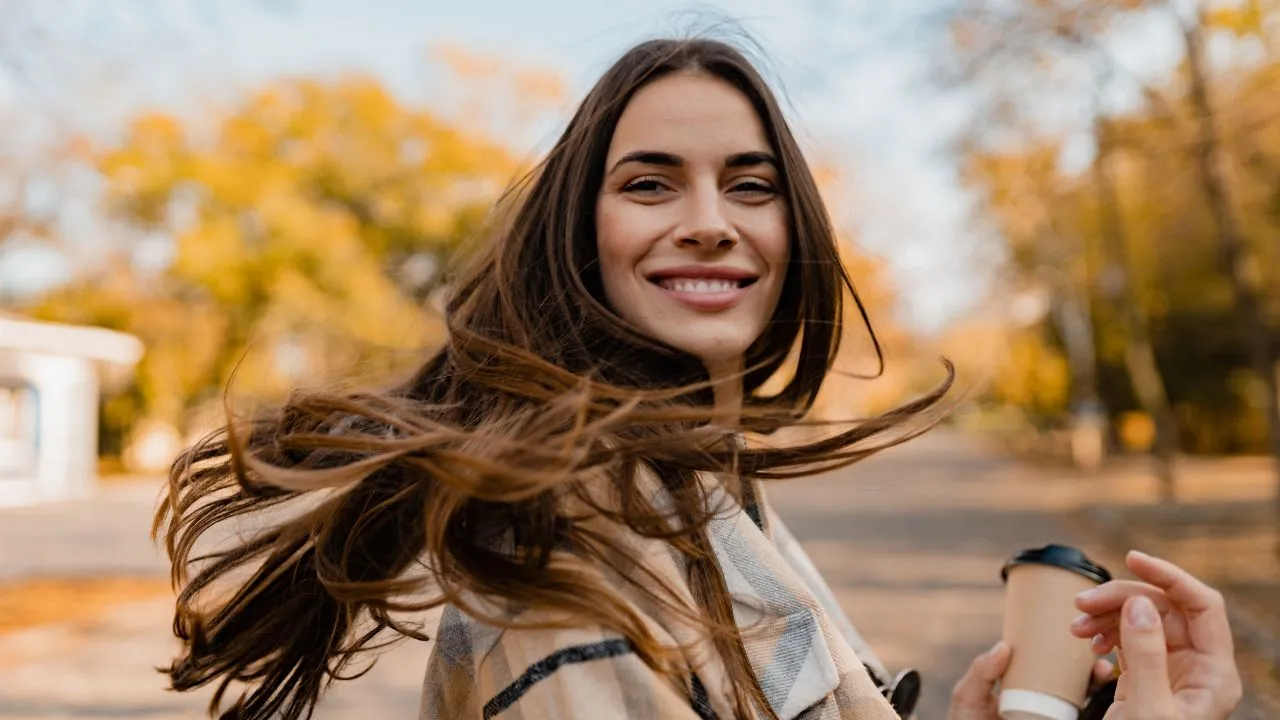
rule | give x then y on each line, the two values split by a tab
1137	431
1244	17
1034	376
292	221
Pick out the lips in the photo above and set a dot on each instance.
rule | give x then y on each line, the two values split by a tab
704	288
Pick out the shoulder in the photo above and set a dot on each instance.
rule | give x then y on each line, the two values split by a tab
481	671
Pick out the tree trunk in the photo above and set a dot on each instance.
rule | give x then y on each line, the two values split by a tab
1139	357
1088	425
1240	264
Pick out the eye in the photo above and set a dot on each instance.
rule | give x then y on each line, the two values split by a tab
755	188
645	186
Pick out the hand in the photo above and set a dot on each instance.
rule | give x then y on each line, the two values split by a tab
973	697
1174	643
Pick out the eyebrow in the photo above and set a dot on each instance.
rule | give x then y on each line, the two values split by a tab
751	159
666	159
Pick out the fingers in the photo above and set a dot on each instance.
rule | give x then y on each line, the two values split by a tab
1147	660
1104	671
1201	617
1104	631
974	689
1106	641
1122	687
1181	586
1109	598
1088	625
1203	606
1201	624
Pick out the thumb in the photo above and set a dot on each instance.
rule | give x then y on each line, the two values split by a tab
1146	660
973	691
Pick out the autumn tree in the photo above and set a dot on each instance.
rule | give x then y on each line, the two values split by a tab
307	230
1176	122
1007	53
1238	257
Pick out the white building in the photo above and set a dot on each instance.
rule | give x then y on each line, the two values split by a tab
51	380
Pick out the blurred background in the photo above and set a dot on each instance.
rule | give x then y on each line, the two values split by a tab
1078	201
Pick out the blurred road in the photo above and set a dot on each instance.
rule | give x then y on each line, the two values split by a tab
912	541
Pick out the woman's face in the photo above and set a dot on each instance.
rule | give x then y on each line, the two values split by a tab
691	226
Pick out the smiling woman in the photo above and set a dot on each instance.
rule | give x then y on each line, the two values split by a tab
570	476
561	469
691	223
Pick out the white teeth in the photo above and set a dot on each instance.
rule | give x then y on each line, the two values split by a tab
700	286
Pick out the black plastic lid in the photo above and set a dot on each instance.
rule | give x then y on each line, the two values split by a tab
1063	556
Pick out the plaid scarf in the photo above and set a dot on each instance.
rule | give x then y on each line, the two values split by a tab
810	662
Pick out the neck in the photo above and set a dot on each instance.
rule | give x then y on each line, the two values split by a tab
726	383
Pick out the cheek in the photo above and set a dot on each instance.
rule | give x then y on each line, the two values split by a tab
779	251
774	246
617	250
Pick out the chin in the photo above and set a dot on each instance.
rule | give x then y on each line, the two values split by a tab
715	352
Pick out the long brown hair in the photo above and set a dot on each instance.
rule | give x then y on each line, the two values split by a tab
452	483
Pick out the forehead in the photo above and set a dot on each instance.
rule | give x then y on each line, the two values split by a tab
692	115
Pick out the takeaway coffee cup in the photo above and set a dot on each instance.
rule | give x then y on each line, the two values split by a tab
1049	673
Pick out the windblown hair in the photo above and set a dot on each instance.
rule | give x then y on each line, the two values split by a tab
452	484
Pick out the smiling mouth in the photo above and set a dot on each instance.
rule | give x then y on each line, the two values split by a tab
705	290
707	286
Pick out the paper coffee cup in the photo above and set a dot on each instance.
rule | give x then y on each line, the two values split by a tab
1049	672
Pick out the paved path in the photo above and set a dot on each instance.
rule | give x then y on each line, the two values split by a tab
912	541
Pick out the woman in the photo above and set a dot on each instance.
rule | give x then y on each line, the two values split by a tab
567	475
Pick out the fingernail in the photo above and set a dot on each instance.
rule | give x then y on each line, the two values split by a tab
1142	613
1081	621
1087	594
995	649
1098	639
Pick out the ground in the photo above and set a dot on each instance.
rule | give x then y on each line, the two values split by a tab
912	542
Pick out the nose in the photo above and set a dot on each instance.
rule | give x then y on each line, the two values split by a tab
705	225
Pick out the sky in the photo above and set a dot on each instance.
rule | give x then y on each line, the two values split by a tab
853	71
